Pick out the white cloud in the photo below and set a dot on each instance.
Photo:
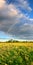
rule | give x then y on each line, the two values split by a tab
2	2
8	9
31	19
14	22
26	6
12	10
23	4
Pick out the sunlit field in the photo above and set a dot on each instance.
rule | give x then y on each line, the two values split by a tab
16	53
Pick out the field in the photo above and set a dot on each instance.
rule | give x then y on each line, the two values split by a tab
16	53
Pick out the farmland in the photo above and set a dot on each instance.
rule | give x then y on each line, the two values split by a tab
17	53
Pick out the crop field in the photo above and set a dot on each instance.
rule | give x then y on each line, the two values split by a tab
16	53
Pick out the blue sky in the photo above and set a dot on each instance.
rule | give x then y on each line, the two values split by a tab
16	19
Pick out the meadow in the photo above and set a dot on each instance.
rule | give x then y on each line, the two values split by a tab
17	53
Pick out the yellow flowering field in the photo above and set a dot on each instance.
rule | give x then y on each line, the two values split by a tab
16	53
16	44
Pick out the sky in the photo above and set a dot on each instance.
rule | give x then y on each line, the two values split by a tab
16	19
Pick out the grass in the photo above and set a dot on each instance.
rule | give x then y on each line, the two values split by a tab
16	53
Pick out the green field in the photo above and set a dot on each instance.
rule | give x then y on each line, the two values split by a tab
16	53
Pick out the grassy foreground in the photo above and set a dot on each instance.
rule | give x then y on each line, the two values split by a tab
16	53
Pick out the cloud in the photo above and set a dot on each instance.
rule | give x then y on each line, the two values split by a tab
9	16
23	4
1	3
15	22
